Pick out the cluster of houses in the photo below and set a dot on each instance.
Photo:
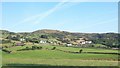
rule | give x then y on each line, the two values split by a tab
82	43
85	42
78	42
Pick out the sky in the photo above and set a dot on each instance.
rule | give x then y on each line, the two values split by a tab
86	17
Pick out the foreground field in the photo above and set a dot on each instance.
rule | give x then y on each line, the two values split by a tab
58	62
49	57
0	58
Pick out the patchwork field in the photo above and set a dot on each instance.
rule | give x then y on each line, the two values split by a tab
48	57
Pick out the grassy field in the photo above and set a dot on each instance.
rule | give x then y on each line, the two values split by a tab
0	58
49	57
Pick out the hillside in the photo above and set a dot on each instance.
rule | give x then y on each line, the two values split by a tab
108	39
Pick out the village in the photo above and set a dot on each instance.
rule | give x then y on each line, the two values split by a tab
61	38
79	42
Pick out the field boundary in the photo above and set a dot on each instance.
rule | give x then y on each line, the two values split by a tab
88	52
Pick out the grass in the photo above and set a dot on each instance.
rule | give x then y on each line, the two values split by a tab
59	58
49	54
0	58
61	62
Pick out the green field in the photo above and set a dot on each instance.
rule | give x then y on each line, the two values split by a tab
49	57
0	58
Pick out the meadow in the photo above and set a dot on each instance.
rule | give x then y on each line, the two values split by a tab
48	57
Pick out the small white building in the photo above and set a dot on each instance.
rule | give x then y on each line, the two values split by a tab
89	42
86	42
69	45
42	41
22	39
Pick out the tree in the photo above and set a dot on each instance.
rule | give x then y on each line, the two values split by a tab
27	48
34	40
33	47
53	48
13	43
9	37
44	36
80	51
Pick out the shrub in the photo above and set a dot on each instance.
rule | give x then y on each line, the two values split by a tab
13	44
6	41
27	48
33	47
36	47
7	51
80	51
39	47
44	36
6	46
53	48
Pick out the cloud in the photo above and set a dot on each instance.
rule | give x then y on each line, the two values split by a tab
36	19
49	12
61	5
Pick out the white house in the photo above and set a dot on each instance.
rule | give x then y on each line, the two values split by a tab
22	39
86	42
69	44
89	42
42	41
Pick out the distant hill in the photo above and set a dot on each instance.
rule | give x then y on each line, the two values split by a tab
109	39
47	31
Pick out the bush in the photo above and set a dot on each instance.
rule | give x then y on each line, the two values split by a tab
39	47
80	51
36	47
6	46
53	48
44	36
27	48
7	51
33	47
6	41
13	44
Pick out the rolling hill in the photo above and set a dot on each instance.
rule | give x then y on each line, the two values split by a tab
108	39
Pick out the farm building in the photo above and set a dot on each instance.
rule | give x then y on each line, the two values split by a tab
85	42
42	41
20	44
22	39
68	45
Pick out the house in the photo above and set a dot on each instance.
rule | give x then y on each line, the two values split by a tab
88	42
42	41
85	42
68	45
22	39
20	44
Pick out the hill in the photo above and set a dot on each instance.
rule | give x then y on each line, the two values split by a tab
108	39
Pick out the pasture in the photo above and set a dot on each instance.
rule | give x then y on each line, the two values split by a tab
48	57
